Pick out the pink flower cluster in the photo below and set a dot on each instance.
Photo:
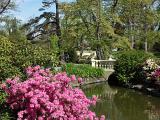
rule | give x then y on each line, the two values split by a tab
44	96
156	74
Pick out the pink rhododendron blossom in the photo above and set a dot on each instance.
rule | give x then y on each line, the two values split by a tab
156	74
36	68
102	117
8	80
44	96
3	85
73	77
80	80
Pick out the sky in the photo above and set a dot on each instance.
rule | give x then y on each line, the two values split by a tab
29	9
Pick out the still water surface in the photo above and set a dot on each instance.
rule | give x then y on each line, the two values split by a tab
123	104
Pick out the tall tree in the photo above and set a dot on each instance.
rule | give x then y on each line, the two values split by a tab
47	24
6	5
138	17
11	28
85	21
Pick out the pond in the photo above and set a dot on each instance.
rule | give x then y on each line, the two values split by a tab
123	104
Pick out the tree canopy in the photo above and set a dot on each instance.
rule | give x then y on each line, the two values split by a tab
100	25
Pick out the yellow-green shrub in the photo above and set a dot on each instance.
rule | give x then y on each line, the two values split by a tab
16	55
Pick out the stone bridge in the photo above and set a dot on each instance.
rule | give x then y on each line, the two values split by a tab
107	65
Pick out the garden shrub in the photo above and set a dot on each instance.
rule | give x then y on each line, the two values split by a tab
5	112
16	55
44	96
8	70
152	72
71	56
83	70
129	68
28	54
6	67
149	67
156	74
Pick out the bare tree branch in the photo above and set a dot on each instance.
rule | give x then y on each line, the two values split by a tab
115	2
3	6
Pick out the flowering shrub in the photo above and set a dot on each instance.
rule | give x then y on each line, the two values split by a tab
151	69
156	74
150	65
44	96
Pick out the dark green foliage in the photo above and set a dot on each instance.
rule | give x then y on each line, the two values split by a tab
84	70
16	55
5	112
128	68
72	56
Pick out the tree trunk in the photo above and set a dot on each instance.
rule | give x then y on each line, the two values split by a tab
146	45
58	32
81	46
145	38
99	50
131	36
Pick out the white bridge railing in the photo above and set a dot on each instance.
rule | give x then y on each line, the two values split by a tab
106	64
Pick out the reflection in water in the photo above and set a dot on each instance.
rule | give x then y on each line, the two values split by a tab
123	104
